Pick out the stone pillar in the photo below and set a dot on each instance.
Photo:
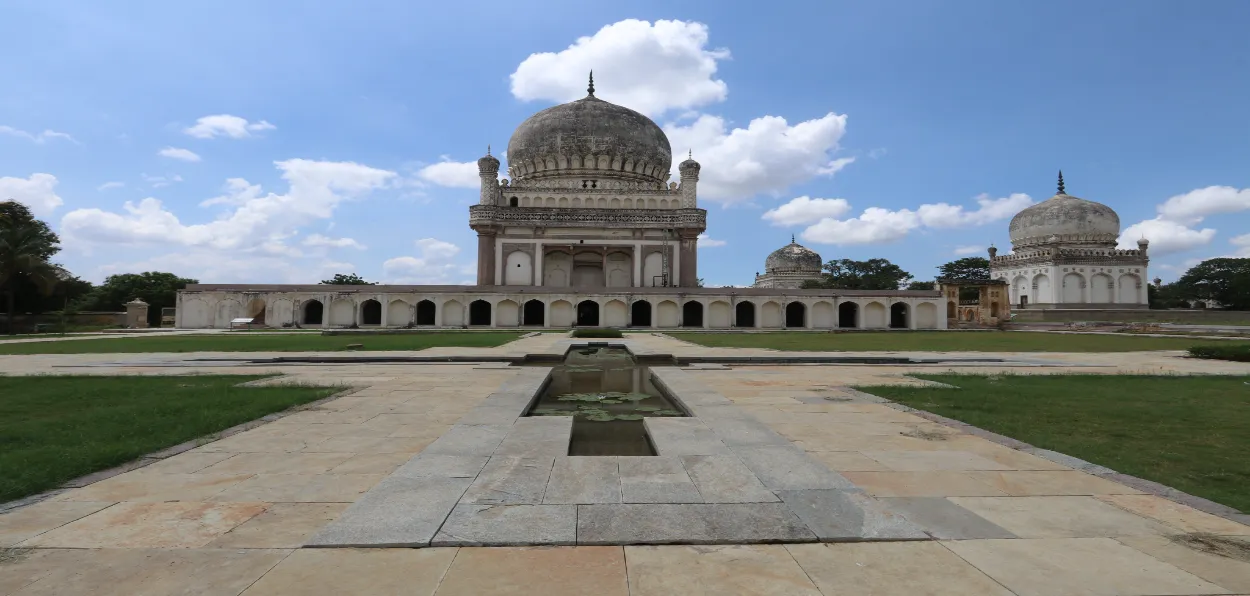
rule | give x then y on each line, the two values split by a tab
499	262
860	316
137	314
485	258
603	260
689	261
538	264
911	315
638	281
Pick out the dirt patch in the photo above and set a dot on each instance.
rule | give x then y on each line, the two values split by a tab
1212	544
9	556
927	435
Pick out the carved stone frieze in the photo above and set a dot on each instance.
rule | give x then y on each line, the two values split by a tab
554	217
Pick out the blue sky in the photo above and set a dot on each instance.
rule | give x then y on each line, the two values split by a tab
285	141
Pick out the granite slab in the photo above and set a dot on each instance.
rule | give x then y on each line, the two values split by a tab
943	519
842	516
583	480
541	436
510	481
724	479
689	524
469	439
398	512
683	436
509	525
788	468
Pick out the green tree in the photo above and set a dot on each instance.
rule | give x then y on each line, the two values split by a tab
921	285
966	268
873	274
23	258
344	279
1223	280
158	289
28	294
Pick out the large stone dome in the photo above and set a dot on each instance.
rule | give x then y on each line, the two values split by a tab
590	137
1065	219
793	257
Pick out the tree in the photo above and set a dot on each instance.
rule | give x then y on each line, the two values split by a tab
343	279
1223	280
23	246
921	285
966	268
873	274
158	289
46	242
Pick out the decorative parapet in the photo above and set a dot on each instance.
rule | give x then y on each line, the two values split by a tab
1068	256
1109	239
555	217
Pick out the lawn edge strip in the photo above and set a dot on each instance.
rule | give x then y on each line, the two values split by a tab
1147	486
155	456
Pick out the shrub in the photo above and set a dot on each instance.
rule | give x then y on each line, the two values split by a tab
1237	352
597	333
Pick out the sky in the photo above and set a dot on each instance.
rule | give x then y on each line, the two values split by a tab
283	142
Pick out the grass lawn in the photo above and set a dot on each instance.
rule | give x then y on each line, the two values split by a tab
1190	433
939	341
55	429
263	342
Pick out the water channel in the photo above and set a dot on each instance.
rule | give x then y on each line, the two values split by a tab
608	393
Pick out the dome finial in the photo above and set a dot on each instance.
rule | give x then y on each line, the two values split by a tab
1061	182
590	90
791	238
488	149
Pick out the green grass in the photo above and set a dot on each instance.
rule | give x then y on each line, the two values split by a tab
1236	352
263	342
939	341
57	428
1190	433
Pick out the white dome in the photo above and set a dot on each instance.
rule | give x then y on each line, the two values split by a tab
1066	219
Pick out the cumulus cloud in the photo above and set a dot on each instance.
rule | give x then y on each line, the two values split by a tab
225	125
964	251
1191	207
943	215
110	186
805	210
256	224
208	266
1242	244
766	157
874	226
179	154
1165	236
649	67
434	264
317	240
706	241
160	181
38	192
37	138
452	173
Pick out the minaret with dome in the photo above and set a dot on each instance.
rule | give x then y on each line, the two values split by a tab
789	266
588	203
1064	255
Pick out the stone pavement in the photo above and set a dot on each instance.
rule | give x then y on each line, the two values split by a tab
232	516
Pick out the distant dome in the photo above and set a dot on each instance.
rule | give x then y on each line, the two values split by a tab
1066	219
586	137
793	257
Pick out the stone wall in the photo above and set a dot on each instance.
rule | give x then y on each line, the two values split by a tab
1196	317
26	322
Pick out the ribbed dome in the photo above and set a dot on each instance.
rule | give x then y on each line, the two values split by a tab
1067	219
589	137
793	257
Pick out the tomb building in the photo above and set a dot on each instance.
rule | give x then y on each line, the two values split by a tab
789	266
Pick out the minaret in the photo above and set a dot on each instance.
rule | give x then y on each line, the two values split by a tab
488	170
689	170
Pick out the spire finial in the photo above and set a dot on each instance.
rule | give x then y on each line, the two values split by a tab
791	238
690	154
1061	182
487	149
591	89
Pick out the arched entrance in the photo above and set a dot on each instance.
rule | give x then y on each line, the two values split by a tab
479	312
898	315
314	311
744	314
534	313
848	315
692	314
256	310
640	314
371	312
426	313
796	314
588	313
950	310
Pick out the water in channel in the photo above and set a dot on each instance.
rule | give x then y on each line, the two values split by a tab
608	394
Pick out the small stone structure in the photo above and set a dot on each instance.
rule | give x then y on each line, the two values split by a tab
789	266
989	308
1064	255
137	314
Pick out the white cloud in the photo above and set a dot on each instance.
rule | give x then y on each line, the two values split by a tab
1242	243
225	125
1194	205
943	215
38	192
110	186
326	242
1165	236
257	224
37	138
874	226
805	210
179	154
160	181
968	250
208	266
452	173
766	157
651	68
877	153
706	241
434	264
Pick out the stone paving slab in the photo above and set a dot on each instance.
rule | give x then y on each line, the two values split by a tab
583	480
943	519
505	414
509	525
724	479
683	436
735	431
689	524
788	468
442	466
466	439
510	481
397	512
655	480
843	516
539	436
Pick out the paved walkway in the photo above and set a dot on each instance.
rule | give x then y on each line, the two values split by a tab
232	516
